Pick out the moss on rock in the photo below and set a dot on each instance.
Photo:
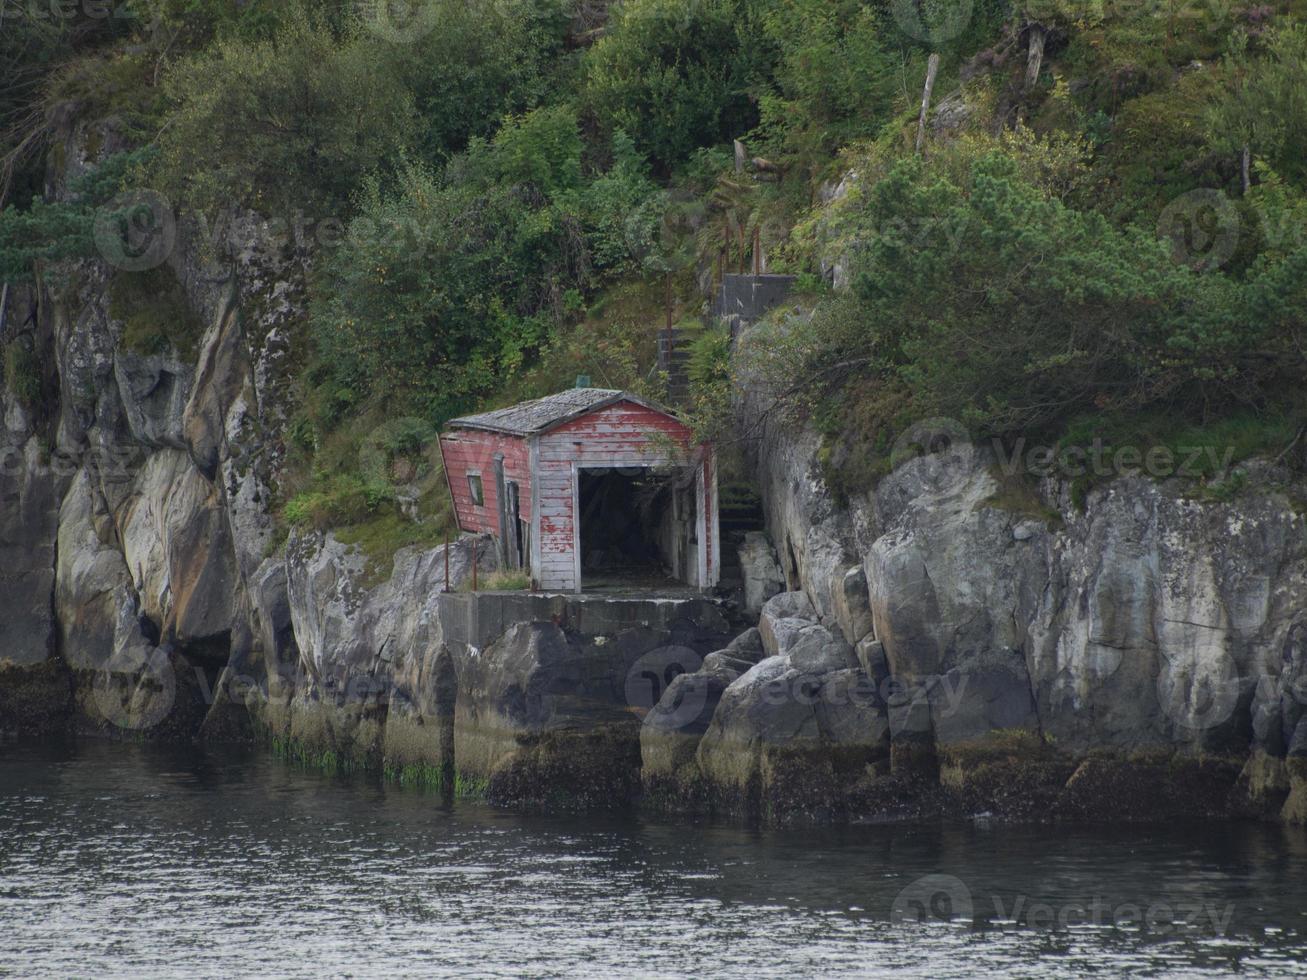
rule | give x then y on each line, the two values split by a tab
35	699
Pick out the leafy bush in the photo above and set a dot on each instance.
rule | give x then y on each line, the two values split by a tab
622	209
285	123
483	60
47	231
506	580
446	287
22	371
675	75
989	301
155	312
344	499
1265	105
835	79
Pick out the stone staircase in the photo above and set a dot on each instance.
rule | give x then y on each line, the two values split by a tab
674	358
739	511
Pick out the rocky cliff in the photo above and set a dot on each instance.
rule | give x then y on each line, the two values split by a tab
959	640
1018	646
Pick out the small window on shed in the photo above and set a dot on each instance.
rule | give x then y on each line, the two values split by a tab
474	488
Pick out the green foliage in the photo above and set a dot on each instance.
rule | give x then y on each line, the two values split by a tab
675	75
521	181
155	313
46	231
506	580
22	371
285	123
981	297
342	499
483	60
710	357
835	79
541	149
622	209
445	288
1265	104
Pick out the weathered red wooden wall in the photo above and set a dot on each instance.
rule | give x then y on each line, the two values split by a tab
622	434
470	450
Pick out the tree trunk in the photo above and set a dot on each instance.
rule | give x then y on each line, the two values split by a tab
1245	168
1035	54
932	69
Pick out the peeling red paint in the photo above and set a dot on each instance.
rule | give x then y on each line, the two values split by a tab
621	434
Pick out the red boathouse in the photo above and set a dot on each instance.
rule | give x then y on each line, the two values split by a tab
588	488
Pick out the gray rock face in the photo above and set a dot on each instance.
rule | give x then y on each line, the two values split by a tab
30	490
779	716
763	577
1148	619
783	617
852	605
797	721
178	549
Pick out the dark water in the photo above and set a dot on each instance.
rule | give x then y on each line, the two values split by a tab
118	860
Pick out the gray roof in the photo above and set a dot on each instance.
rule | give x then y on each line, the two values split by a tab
543	414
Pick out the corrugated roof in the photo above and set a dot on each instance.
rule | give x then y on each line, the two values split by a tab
542	414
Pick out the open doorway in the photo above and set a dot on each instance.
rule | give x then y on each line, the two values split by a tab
638	528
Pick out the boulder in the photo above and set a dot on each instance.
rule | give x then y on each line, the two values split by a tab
783	617
671	732
763	577
815	650
852	604
789	743
747	646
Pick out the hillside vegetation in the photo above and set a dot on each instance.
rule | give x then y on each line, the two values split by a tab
1098	233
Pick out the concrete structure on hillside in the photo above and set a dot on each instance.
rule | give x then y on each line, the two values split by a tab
590	488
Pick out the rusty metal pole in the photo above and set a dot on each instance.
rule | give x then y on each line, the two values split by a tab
757	251
667	300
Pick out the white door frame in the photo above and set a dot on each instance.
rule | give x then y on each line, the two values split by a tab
701	559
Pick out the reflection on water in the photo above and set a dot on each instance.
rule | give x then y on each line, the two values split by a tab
125	860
